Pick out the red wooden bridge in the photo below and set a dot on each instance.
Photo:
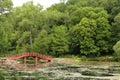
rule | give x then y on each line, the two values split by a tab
31	54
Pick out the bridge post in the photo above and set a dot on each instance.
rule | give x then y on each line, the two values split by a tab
36	60
24	61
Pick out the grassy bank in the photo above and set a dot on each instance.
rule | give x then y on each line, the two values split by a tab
84	58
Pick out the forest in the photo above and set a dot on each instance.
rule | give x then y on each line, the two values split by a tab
89	28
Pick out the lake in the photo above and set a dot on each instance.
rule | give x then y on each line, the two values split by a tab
83	70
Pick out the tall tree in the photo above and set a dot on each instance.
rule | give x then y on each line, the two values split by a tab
83	36
5	5
5	25
42	42
116	29
27	23
59	40
92	33
54	18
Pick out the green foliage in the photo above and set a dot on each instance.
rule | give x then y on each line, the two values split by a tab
26	25
81	27
55	43
116	48
59	7
92	33
84	32
54	18
116	29
5	5
117	18
59	40
6	28
42	42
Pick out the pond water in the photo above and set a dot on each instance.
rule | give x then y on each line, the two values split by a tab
81	71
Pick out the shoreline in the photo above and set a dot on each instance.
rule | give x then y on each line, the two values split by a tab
78	62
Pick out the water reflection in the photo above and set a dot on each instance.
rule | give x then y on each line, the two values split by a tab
32	66
54	71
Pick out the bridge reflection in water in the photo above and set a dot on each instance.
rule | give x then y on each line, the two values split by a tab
30	67
46	60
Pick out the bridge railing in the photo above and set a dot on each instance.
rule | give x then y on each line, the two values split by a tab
17	56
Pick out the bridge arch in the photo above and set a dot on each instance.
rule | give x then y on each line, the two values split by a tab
29	54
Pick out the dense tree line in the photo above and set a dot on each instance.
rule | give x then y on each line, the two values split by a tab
78	27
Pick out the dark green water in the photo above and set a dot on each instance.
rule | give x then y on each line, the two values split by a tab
82	71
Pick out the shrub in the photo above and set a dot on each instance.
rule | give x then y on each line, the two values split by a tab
116	48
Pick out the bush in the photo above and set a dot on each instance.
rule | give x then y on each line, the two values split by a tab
116	48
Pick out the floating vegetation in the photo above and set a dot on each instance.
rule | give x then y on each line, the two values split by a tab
62	72
94	73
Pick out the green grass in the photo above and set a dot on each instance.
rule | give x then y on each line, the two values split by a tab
84	58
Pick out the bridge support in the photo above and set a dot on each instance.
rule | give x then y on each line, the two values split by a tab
36	60
24	61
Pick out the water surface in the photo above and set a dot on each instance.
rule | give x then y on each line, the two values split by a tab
88	70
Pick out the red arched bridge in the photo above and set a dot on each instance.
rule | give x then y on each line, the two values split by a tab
31	54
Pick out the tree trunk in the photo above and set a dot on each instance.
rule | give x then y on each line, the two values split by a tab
31	42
